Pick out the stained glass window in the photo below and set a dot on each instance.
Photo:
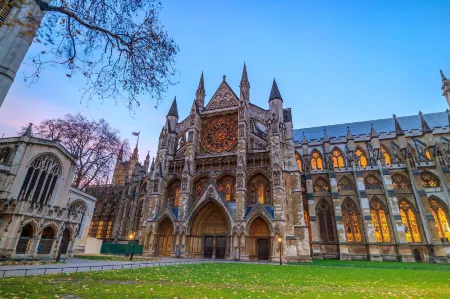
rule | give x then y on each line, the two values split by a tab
441	219
362	157
338	160
299	162
387	158
99	229
351	221
380	221
428	155
325	218
409	222
429	180
108	231
400	181
173	192
345	184
198	190
177	197
372	183
320	185
316	160
259	190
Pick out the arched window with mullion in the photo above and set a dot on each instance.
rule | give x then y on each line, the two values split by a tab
409	216
362	157
316	160
440	215
326	221
378	212
352	223
338	158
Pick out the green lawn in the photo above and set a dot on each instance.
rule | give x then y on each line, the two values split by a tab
110	257
237	281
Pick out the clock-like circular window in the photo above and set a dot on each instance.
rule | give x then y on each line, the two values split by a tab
219	134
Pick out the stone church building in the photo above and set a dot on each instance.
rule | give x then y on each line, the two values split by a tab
236	181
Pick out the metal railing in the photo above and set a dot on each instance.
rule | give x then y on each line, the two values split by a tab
76	269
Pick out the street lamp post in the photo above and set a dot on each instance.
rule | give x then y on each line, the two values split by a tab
281	249
132	246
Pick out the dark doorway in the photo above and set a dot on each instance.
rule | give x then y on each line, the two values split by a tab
220	247
25	237
263	249
417	255
208	245
64	242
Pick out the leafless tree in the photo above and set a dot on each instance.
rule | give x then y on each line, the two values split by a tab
94	145
119	46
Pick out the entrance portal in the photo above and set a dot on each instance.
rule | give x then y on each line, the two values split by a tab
25	237
417	255
209	233
259	240
165	237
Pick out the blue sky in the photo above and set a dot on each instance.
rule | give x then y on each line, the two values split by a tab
334	62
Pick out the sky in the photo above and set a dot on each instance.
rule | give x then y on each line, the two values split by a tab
334	62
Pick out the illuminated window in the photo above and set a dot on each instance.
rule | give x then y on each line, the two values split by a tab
428	155
228	191
320	185
372	183
380	222
409	222
345	184
429	180
362	158
227	186
316	160
325	218
259	190
400	181
99	229
177	197
91	229
387	158
173	193
108	231
198	190
299	162
440	219
338	160
351	221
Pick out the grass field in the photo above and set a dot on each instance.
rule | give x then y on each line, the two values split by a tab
323	279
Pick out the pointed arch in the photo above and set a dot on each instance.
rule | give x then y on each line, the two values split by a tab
164	229
379	212
316	160
372	182
400	181
27	233
346	184
441	217
227	186
173	192
386	154
338	157
259	189
352	221
199	185
362	156
321	185
299	160
325	218
429	179
409	218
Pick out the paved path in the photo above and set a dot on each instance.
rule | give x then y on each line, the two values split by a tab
83	265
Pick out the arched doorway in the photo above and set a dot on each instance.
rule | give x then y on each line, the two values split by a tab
259	240
47	239
417	255
165	237
64	245
210	232
25	236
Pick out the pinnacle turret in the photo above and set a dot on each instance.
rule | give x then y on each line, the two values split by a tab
120	155
201	86
275	93
244	79
173	109
373	132
425	127
28	132
304	141
398	129
325	136
349	134
443	76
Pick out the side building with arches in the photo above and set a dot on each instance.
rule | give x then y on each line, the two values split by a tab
41	215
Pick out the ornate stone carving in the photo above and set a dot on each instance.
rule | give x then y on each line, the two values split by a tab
219	134
223	98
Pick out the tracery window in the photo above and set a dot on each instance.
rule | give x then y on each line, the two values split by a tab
259	190
299	161
346	184
400	181
372	183
351	221
227	186
316	160
40	180
380	221
362	157
409	221
5	154
429	180
173	192
428	155
387	158
326	223
320	185
440	219
199	186
338	160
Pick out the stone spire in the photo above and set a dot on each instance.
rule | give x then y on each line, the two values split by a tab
373	132
398	129
349	134
325	136
244	79
201	86
425	127
28	132
173	111
200	94
120	155
135	151
275	93
443	76
304	141
445	87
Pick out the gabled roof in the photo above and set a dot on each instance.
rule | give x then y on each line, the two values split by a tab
224	97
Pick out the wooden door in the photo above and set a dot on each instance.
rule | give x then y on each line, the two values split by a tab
221	242
208	246
263	249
